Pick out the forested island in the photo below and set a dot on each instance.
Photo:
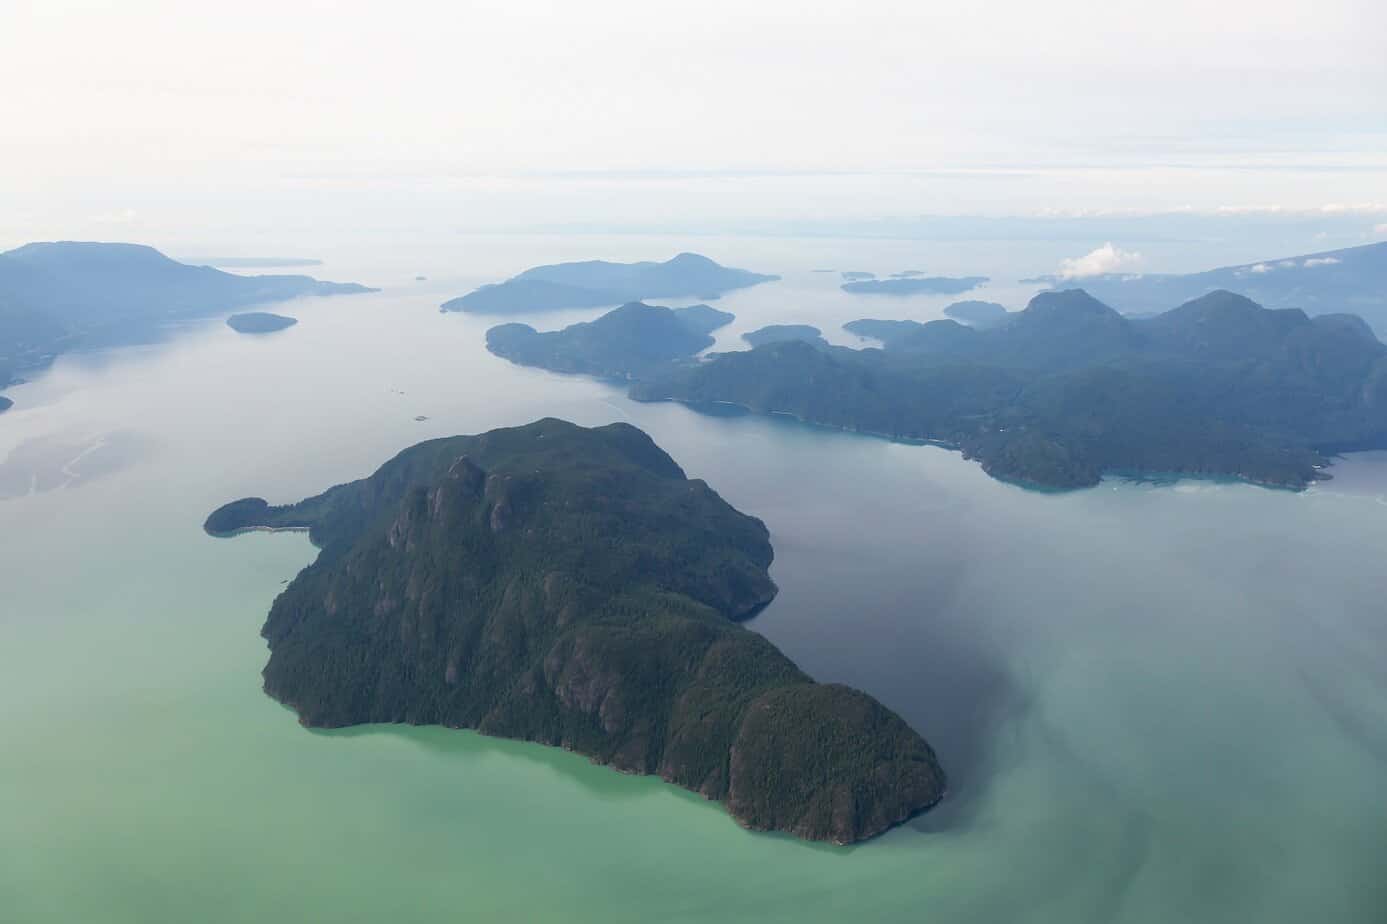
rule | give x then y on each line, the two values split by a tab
594	283
259	322
1069	390
572	587
56	296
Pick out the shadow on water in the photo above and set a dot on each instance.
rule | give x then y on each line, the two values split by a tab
915	642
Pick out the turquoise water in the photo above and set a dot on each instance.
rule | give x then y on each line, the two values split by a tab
1157	703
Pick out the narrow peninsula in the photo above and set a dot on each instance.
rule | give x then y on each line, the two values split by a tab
573	587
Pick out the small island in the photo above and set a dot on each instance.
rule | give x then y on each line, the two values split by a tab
915	285
462	585
259	322
595	283
857	275
778	333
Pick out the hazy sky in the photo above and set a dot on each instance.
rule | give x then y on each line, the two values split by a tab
207	121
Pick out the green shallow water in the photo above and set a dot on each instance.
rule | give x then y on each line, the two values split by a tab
1157	703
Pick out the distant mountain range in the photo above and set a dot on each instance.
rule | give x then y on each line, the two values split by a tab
54	296
1350	280
594	283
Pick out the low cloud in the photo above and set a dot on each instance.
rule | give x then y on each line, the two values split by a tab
1105	259
1262	268
1321	261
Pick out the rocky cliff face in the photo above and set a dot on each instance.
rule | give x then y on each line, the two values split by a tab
572	587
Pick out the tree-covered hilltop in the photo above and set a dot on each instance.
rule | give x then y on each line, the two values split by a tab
571	586
54	296
1068	390
593	283
775	333
632	341
978	313
878	329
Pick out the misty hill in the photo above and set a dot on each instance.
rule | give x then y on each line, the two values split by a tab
878	329
978	314
5	404
857	275
595	283
975	314
915	285
775	333
631	341
1351	280
259	322
572	587
55	295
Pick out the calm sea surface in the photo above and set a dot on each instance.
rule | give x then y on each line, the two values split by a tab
1157	703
